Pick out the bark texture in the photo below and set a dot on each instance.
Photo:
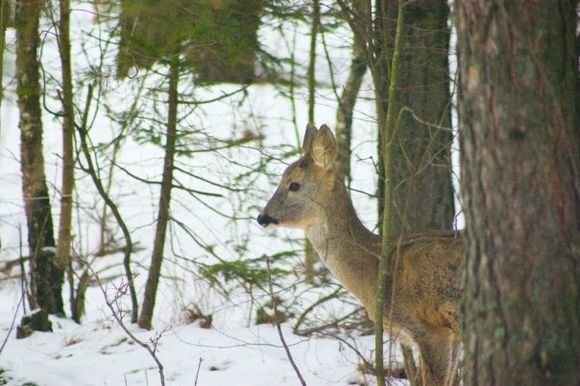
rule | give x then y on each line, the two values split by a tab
520	165
46	278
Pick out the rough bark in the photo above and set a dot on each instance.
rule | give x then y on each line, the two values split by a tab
520	183
46	278
163	215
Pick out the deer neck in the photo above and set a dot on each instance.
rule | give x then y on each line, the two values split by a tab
348	249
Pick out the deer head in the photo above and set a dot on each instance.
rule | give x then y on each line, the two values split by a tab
306	184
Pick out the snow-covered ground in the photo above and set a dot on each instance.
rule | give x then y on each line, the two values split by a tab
235	351
100	353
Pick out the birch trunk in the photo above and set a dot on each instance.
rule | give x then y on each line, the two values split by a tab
46	279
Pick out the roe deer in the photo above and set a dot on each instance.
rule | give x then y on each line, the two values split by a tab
425	287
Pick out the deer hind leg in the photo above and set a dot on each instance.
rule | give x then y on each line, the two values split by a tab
438	346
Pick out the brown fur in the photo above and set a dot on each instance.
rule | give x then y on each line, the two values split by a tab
425	287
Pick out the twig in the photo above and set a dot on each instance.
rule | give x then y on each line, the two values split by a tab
23	281
280	334
197	372
312	306
151	349
12	323
93	172
361	357
334	323
242	89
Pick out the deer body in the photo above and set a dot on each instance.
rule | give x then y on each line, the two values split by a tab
424	283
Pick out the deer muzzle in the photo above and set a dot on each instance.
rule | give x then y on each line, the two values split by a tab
265	220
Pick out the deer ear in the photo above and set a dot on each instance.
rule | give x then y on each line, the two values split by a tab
324	148
309	135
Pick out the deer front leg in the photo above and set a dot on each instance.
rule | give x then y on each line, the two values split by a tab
438	346
454	363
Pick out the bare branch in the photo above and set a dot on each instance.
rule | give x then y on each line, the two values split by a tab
116	312
280	334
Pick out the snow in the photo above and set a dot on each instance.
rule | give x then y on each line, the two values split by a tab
235	351
100	353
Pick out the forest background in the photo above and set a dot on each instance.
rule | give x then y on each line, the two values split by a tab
147	136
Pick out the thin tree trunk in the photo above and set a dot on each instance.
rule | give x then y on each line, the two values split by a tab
46	278
420	168
377	46
164	202
521	189
312	60
63	252
117	144
292	86
422	196
423	191
344	114
103	220
309	253
4	21
388	214
91	170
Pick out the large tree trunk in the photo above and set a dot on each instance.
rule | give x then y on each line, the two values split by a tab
520	177
46	278
163	215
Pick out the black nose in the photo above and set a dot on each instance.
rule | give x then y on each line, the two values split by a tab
265	220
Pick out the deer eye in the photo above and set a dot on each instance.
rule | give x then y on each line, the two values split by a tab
294	187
